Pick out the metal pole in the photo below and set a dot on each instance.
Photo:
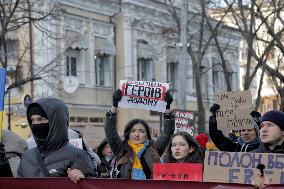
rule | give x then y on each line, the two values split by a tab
31	48
9	110
181	83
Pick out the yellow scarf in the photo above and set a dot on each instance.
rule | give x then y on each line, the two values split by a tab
137	169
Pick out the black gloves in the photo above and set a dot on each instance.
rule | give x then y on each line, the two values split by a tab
214	108
116	97
256	117
168	99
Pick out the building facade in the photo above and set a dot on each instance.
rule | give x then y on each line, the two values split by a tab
97	43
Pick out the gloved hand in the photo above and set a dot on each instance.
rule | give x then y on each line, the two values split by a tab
256	117
168	99
212	122
214	108
116	97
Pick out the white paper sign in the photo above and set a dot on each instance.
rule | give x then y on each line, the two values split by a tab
77	142
145	95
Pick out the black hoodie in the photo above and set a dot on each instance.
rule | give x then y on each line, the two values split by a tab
58	155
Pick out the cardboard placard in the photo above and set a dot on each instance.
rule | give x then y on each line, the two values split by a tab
178	171
240	167
235	108
184	121
144	95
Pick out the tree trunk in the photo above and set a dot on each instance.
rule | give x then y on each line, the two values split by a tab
257	102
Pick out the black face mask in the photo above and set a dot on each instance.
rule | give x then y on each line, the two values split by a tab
40	130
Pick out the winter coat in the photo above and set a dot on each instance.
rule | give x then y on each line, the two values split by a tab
14	147
124	153
58	155
265	149
225	144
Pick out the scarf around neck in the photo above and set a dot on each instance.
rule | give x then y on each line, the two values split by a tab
137	169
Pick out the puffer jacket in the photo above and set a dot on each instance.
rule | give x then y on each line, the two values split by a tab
15	147
124	153
57	154
265	149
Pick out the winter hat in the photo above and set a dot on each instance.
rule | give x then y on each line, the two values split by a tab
36	110
274	116
202	139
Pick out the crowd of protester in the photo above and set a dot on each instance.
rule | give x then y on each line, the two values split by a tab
129	156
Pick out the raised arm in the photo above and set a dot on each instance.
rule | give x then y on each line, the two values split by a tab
110	125
168	128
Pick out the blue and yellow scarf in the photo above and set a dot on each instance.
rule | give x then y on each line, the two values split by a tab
137	169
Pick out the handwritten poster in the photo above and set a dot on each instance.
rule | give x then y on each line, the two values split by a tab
184	121
235	108
144	95
240	167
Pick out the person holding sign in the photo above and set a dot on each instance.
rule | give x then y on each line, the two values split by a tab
271	132
248	141
137	152
54	156
272	140
183	148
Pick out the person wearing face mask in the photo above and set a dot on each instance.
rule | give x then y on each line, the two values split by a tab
54	156
183	148
137	152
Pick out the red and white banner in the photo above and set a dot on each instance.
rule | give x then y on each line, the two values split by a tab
145	95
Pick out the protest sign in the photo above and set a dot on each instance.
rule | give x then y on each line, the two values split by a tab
240	167
144	95
235	108
178	171
184	121
78	142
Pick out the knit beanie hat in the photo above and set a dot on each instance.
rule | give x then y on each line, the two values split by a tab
36	110
202	139
274	116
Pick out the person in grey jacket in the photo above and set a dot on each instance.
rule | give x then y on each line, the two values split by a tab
14	148
137	152
54	156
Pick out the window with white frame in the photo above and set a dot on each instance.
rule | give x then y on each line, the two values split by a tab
215	75
172	73
73	64
102	70
145	69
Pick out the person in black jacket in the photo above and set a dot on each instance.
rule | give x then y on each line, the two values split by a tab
137	152
272	140
183	148
5	169
54	156
107	160
248	141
